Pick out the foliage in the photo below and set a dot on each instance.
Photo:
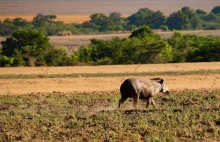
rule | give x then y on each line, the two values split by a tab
6	61
216	10
31	48
25	41
148	17
193	48
184	19
208	50
141	32
143	46
57	57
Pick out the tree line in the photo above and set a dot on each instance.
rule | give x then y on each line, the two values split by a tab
183	19
143	46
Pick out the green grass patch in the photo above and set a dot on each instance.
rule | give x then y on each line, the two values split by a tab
180	116
170	73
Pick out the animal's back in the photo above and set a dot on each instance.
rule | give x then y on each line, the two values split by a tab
133	86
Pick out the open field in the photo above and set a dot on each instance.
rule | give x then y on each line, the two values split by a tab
64	18
79	103
75	41
25	80
180	116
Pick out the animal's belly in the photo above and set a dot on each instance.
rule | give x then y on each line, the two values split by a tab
144	95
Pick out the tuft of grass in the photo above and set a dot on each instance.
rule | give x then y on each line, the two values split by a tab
181	116
75	75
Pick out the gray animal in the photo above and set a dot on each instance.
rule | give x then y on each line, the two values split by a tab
141	89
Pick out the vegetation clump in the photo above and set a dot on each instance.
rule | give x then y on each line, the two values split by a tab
184	19
143	46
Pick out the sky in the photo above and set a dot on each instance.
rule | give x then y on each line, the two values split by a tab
88	7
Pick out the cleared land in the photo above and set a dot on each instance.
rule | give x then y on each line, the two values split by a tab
75	41
64	18
106	78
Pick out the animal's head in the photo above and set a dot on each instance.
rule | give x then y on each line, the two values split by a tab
164	88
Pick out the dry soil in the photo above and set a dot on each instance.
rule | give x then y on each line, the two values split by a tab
105	84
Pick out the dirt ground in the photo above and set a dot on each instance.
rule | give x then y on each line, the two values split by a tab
105	84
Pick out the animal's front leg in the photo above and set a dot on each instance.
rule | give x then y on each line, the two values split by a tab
153	103
148	103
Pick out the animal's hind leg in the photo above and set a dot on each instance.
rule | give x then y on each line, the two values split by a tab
121	101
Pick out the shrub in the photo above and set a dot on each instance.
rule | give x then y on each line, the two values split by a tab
6	61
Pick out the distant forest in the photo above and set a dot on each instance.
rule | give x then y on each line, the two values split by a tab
184	19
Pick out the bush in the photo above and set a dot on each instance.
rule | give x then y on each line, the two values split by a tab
57	57
6	61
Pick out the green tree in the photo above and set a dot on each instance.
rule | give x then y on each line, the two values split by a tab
207	50
19	22
216	10
178	20
98	22
7	27
142	47
116	22
194	20
40	19
24	44
23	40
201	12
6	61
142	32
56	57
148	17
157	19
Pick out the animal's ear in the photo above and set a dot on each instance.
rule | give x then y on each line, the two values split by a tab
161	81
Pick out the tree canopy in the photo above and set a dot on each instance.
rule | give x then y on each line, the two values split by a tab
184	19
143	46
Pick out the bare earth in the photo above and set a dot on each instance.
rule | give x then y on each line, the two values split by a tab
105	84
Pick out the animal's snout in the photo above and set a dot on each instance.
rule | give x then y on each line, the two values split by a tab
167	92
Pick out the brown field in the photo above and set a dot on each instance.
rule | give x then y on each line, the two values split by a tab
77	40
64	18
104	83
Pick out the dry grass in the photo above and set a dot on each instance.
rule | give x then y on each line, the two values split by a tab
181	116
